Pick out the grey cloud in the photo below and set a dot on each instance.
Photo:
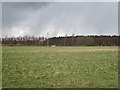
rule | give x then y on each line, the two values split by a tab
24	5
60	0
15	12
60	18
0	19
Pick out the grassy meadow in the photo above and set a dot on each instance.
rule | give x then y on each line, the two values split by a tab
59	67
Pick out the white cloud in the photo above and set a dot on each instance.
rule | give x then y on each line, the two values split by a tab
17	31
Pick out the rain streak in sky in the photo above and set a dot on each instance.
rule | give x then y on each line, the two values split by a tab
59	18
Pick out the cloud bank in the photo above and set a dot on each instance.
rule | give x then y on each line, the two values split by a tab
59	18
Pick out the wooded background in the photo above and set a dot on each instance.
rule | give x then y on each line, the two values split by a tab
102	40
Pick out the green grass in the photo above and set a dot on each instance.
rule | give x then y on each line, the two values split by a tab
59	67
0	67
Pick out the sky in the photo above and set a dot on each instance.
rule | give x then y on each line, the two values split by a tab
0	20
59	18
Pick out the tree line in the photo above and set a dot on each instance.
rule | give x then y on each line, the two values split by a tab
93	40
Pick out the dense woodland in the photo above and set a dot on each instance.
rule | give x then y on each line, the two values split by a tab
62	41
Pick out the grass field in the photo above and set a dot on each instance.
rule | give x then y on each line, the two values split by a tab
60	67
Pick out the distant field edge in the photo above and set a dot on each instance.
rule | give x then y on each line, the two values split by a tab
55	45
60	88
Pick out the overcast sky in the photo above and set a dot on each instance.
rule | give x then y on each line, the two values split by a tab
59	18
